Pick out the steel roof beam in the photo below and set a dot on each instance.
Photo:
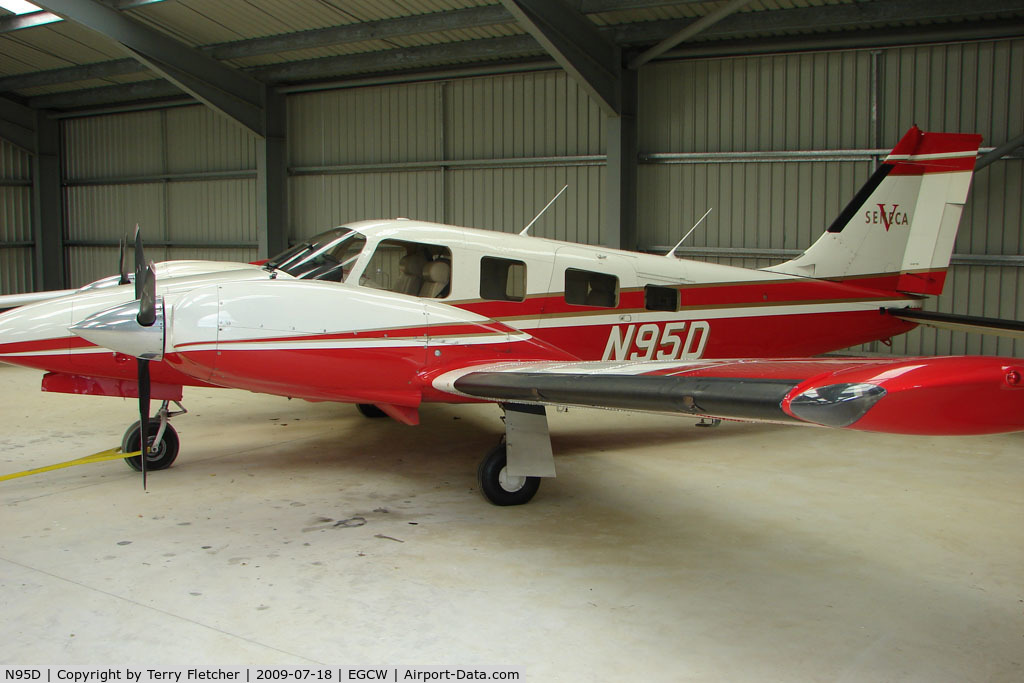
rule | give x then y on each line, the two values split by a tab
434	21
16	22
472	17
860	15
18	125
515	47
831	18
687	32
597	6
300	40
89	97
403	58
70	74
867	38
227	90
576	44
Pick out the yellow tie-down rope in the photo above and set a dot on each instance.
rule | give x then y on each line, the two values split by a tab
112	454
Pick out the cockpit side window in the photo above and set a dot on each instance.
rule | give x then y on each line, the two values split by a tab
410	268
327	256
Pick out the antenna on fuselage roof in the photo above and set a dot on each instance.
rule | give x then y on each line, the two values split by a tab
672	251
530	224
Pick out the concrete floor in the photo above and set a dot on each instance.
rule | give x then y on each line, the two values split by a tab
292	533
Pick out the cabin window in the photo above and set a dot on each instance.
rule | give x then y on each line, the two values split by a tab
410	268
584	288
502	279
661	298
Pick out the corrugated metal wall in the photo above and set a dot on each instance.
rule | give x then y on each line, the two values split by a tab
775	144
487	152
778	144
186	175
16	239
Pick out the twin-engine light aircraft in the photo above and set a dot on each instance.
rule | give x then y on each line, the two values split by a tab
391	314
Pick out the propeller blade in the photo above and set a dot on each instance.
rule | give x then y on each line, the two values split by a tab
140	262
122	264
144	392
146	295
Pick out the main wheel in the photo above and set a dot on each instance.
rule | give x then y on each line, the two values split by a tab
160	455
370	410
498	486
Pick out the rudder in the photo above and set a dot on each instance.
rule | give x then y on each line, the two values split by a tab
901	225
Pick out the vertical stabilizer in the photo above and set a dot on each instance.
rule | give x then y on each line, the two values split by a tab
902	223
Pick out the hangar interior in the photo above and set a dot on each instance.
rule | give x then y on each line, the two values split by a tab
229	130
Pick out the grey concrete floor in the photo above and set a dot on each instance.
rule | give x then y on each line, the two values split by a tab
292	533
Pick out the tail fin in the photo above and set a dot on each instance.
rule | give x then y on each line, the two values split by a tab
903	221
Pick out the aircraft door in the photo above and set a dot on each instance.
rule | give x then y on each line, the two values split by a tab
590	292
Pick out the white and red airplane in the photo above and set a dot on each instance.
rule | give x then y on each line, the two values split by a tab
394	313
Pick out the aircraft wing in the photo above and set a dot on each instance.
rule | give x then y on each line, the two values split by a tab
16	300
947	395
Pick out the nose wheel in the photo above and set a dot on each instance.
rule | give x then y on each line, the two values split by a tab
161	437
161	454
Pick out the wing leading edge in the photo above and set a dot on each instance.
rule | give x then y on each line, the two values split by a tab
939	396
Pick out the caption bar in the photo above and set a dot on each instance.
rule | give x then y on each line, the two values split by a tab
78	674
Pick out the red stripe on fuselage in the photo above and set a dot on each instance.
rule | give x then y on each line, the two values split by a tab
768	336
711	296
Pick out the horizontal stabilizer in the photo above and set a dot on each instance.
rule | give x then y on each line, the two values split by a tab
960	323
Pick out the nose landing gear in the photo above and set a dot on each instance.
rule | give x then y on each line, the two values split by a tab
161	436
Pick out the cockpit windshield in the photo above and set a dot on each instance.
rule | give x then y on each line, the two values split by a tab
327	256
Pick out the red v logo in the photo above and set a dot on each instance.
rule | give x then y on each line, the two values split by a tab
887	216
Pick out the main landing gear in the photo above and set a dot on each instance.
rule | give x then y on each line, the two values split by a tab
370	410
510	473
162	438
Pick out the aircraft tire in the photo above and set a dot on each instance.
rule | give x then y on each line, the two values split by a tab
160	458
370	410
500	489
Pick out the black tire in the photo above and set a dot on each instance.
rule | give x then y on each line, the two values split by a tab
370	410
500	489
161	456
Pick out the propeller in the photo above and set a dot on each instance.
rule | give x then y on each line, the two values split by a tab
122	265
145	292
134	328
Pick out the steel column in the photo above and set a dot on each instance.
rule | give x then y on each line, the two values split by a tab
619	229
272	178
48	206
